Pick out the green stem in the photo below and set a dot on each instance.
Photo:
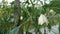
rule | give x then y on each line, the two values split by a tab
44	30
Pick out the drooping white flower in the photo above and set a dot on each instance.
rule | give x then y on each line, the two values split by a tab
42	19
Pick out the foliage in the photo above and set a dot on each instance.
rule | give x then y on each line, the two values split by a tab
30	16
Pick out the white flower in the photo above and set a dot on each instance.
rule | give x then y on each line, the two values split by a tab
22	1
30	5
42	19
51	11
21	17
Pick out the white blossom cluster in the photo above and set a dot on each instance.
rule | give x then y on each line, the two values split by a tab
42	19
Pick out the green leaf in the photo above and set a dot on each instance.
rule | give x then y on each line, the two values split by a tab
49	26
14	31
55	5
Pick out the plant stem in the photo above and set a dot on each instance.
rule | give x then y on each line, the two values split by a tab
44	30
